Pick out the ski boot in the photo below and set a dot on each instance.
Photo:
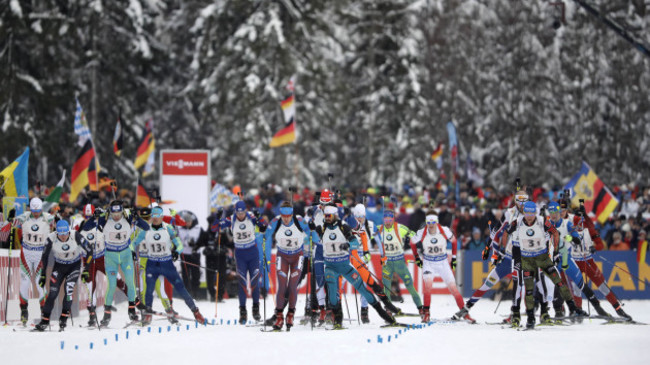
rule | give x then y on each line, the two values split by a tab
256	312
146	320
322	315
170	316
530	323
338	318
469	319
622	314
576	313
601	312
279	320
198	316
139	304
559	314
329	317
460	314
426	316
63	320
382	313
132	315
43	324
364	315
107	316
289	321
544	317
92	317
515	320
243	315
270	321
24	314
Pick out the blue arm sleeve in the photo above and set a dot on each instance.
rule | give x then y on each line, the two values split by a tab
175	240
138	239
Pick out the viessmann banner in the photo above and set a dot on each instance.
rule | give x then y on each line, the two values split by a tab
185	181
616	266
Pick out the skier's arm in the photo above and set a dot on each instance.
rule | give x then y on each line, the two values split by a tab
593	232
555	236
141	236
45	258
175	240
85	245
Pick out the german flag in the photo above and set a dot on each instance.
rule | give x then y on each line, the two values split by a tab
146	146
142	199
287	134
117	137
437	155
84	171
598	198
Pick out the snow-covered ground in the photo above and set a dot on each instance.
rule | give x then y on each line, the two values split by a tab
440	343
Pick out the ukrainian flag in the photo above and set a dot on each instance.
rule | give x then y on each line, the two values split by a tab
598	198
14	176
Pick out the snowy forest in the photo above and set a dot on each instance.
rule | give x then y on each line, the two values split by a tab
533	90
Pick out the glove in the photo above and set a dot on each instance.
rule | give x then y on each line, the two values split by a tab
98	212
135	256
345	246
312	226
224	223
583	211
366	256
41	280
85	276
556	257
383	260
486	253
418	261
592	250
174	255
453	262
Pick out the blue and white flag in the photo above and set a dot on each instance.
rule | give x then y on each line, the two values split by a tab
220	196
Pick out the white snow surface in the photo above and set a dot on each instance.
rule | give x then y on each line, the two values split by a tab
439	343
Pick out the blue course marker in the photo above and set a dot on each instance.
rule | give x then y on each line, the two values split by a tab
62	344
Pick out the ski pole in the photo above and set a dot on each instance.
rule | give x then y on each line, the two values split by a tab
11	244
625	271
501	298
375	277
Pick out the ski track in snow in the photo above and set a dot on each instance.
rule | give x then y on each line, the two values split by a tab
440	343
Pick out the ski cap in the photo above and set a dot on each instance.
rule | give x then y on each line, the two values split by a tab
240	206
36	205
117	208
62	228
530	208
359	211
157	212
553	207
325	196
331	210
431	219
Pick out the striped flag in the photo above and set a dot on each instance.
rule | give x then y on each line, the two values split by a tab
220	196
598	198
84	171
142	199
287	134
81	125
117	137
437	155
146	146
13	178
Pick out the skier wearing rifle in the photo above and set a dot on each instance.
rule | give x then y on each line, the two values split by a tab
530	253
67	247
430	243
567	264
582	252
291	236
117	234
95	237
336	240
393	238
35	227
247	236
364	231
162	248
